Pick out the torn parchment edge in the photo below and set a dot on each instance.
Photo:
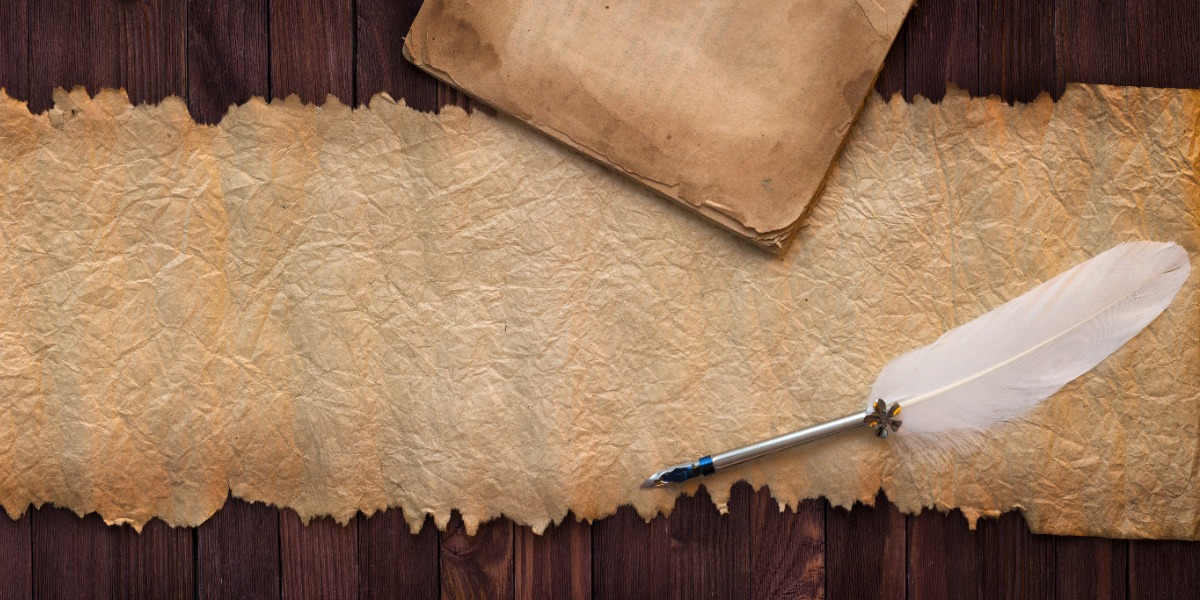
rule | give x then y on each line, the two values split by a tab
719	489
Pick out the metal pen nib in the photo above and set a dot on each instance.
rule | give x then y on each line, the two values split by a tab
881	419
681	472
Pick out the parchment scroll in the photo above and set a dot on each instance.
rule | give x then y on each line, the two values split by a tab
338	311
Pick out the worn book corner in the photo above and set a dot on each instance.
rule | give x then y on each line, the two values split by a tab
736	110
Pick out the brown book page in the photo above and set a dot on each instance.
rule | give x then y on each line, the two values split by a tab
736	109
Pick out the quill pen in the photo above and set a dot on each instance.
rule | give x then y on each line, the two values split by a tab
998	367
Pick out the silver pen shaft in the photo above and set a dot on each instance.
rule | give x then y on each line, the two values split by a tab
710	464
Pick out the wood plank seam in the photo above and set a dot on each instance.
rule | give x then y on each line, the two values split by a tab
270	94
353	102
979	59
196	562
1128	569
826	507
279	573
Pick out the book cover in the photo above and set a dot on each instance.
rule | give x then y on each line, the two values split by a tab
734	109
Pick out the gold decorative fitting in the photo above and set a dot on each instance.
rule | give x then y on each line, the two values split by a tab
883	420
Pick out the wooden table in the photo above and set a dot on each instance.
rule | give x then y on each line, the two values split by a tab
216	52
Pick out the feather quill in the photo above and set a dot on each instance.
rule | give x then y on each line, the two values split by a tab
998	367
1001	365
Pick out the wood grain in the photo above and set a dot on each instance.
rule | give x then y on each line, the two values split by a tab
1163	569
14	48
480	565
1016	49
448	96
219	52
380	63
318	559
892	77
942	45
237	552
135	45
695	552
227	56
84	558
942	560
72	557
155	564
238	548
1091	42
16	561
865	551
62	49
1090	568
312	49
630	557
152	38
1163	42
787	548
393	563
710	553
1013	563
556	564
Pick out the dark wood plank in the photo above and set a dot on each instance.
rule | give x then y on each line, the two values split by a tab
237	552
392	562
1013	563
135	45
1016	49
1163	41
1163	569
16	560
319	559
696	552
152	38
84	558
1091	41
865	551
480	565
1090	568
630	557
942	45
891	79
787	549
312	49
138	46
710	552
72	557
448	96
941	556
227	56
70	44
14	48
556	564
379	62
238	548
156	563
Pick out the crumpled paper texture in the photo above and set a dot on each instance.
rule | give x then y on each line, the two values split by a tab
733	108
340	311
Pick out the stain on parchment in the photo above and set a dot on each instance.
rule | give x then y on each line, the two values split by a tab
852	90
466	39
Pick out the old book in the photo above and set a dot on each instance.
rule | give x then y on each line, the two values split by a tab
736	109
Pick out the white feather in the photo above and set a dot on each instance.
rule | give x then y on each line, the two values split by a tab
999	366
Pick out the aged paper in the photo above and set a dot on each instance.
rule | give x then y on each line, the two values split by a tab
339	311
733	108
